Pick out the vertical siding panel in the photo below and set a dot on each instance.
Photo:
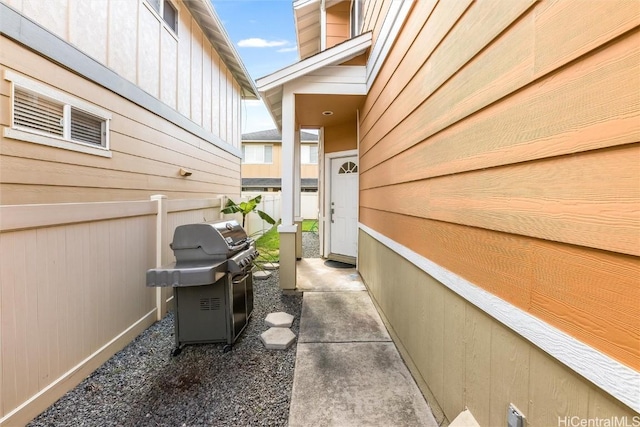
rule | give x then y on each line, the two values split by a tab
196	74
184	64
554	391
51	14
454	356
123	42
477	363
509	373
207	95
435	330
215	92
149	52
229	115
88	27
74	259
169	69
223	102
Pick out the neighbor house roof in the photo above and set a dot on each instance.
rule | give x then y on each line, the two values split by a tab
208	20
277	182
274	135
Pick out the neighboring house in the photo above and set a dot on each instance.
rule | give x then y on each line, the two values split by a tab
481	164
262	166
109	100
119	120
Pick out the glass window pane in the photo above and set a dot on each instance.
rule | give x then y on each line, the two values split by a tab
268	154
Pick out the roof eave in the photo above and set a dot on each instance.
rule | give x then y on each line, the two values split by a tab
206	17
271	86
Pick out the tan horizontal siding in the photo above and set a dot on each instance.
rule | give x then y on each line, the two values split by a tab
147	151
590	294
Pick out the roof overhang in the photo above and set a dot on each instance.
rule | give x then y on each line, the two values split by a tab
307	22
206	17
271	87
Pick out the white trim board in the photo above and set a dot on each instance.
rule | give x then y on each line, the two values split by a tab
619	380
332	56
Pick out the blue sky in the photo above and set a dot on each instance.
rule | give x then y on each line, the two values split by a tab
264	35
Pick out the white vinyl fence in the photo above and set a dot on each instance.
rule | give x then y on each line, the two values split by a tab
73	290
271	204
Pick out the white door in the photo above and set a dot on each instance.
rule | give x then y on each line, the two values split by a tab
343	206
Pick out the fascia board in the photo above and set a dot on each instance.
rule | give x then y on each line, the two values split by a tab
332	56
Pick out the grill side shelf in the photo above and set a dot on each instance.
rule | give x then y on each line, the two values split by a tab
186	274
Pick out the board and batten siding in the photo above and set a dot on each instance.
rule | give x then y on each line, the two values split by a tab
132	39
189	116
504	147
147	150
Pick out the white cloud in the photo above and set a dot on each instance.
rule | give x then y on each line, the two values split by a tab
257	42
288	49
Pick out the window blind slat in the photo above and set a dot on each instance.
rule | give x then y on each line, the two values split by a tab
38	113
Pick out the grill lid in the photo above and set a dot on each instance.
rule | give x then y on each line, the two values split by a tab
213	238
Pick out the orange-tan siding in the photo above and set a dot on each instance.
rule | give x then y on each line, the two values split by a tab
338	23
504	147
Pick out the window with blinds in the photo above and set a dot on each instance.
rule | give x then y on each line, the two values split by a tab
37	113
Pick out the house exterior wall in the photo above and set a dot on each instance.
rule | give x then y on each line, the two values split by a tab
373	16
147	150
471	159
463	357
340	137
274	169
338	19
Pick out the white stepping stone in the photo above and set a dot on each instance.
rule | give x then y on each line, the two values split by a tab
261	275
279	320
277	338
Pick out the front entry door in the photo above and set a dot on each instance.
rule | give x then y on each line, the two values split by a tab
343	208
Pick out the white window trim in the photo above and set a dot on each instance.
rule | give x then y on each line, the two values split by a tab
303	160
159	16
52	140
258	163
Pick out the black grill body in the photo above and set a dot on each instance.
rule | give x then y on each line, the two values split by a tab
212	281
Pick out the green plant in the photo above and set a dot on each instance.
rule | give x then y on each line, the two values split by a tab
310	225
245	208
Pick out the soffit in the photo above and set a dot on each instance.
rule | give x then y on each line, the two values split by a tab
271	86
309	109
204	14
307	23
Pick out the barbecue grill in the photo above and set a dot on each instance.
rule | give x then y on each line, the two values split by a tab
212	281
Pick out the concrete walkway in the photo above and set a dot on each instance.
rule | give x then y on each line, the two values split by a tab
348	372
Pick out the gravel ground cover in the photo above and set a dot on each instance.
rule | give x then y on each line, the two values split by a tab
143	385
